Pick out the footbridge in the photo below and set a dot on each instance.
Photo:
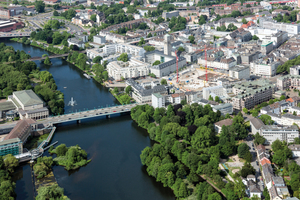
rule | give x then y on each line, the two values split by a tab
88	114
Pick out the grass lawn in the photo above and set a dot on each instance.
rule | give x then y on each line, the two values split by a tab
60	17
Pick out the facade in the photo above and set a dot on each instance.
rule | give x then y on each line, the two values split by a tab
214	91
131	69
240	72
295	70
167	45
92	53
29	105
288	81
266	47
256	125
282	133
76	41
158	100
265	69
99	39
123	48
12	146
249	94
6	26
268	23
295	148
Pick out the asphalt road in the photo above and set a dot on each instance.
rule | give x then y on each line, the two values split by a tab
255	162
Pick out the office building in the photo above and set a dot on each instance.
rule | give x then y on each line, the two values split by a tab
264	68
290	28
11	146
123	48
158	100
282	133
239	72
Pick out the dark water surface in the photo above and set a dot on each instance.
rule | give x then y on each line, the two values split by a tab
114	145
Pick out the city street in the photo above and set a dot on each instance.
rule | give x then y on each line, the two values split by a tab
255	162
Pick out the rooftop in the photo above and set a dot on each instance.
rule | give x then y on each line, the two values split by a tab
7	105
28	97
257	123
19	129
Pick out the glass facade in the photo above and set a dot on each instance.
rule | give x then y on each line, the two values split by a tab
12	148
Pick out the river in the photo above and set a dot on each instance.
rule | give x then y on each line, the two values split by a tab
114	145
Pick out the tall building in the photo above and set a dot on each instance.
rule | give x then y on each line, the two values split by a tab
167	45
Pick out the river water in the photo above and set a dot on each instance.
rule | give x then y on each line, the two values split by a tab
114	145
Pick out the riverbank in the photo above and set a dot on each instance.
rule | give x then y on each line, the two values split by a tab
122	98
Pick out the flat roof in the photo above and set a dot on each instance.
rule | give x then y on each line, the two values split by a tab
9	141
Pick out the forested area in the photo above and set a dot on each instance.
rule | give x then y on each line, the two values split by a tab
188	147
79	59
177	24
7	186
51	192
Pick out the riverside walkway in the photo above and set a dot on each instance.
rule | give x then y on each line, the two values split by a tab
88	114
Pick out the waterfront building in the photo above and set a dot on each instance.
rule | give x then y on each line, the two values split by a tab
12	146
123	48
132	69
22	130
29	105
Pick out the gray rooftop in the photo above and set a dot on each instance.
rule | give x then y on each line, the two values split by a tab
257	123
7	105
280	128
28	97
9	141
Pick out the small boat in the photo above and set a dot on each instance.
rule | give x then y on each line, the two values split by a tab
65	87
28	51
87	76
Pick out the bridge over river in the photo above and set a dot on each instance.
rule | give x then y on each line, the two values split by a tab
52	56
88	114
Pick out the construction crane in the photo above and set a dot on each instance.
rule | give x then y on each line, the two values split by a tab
205	49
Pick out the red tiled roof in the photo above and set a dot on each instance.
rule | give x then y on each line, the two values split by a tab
264	161
19	129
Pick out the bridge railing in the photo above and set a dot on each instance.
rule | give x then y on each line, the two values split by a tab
86	109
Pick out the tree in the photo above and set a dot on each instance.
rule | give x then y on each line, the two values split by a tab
157	62
255	113
149	48
97	59
247	169
183	191
47	61
149	35
116	90
259	139
217	99
192	39
210	98
93	17
266	194
10	162
239	188
142	41
40	6
93	6
244	21
248	157
163	82
266	119
128	89
248	6
254	37
123	57
277	145
15	2
55	13
181	49
282	97
242	150
294	113
51	192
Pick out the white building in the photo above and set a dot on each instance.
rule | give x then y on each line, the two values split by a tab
282	133
123	48
131	69
225	108
295	148
99	39
214	91
264	68
92	53
158	100
239	72
292	29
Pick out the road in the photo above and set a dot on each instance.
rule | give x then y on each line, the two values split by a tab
255	162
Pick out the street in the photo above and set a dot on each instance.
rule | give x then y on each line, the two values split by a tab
255	162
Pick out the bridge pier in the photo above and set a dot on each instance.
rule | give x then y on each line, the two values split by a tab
78	121
107	116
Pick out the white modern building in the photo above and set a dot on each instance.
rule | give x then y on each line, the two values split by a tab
123	48
295	148
263	68
92	53
131	69
282	133
214	91
240	72
292	29
158	100
99	39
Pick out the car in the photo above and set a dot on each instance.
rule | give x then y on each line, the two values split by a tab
122	110
114	111
105	112
84	115
100	113
70	118
257	162
96	113
253	149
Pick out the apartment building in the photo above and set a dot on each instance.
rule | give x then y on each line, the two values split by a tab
295	70
264	68
268	23
249	94
123	48
132	69
171	14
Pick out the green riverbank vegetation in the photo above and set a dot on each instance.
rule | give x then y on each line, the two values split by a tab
188	146
19	75
123	96
43	166
70	157
7	186
51	192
